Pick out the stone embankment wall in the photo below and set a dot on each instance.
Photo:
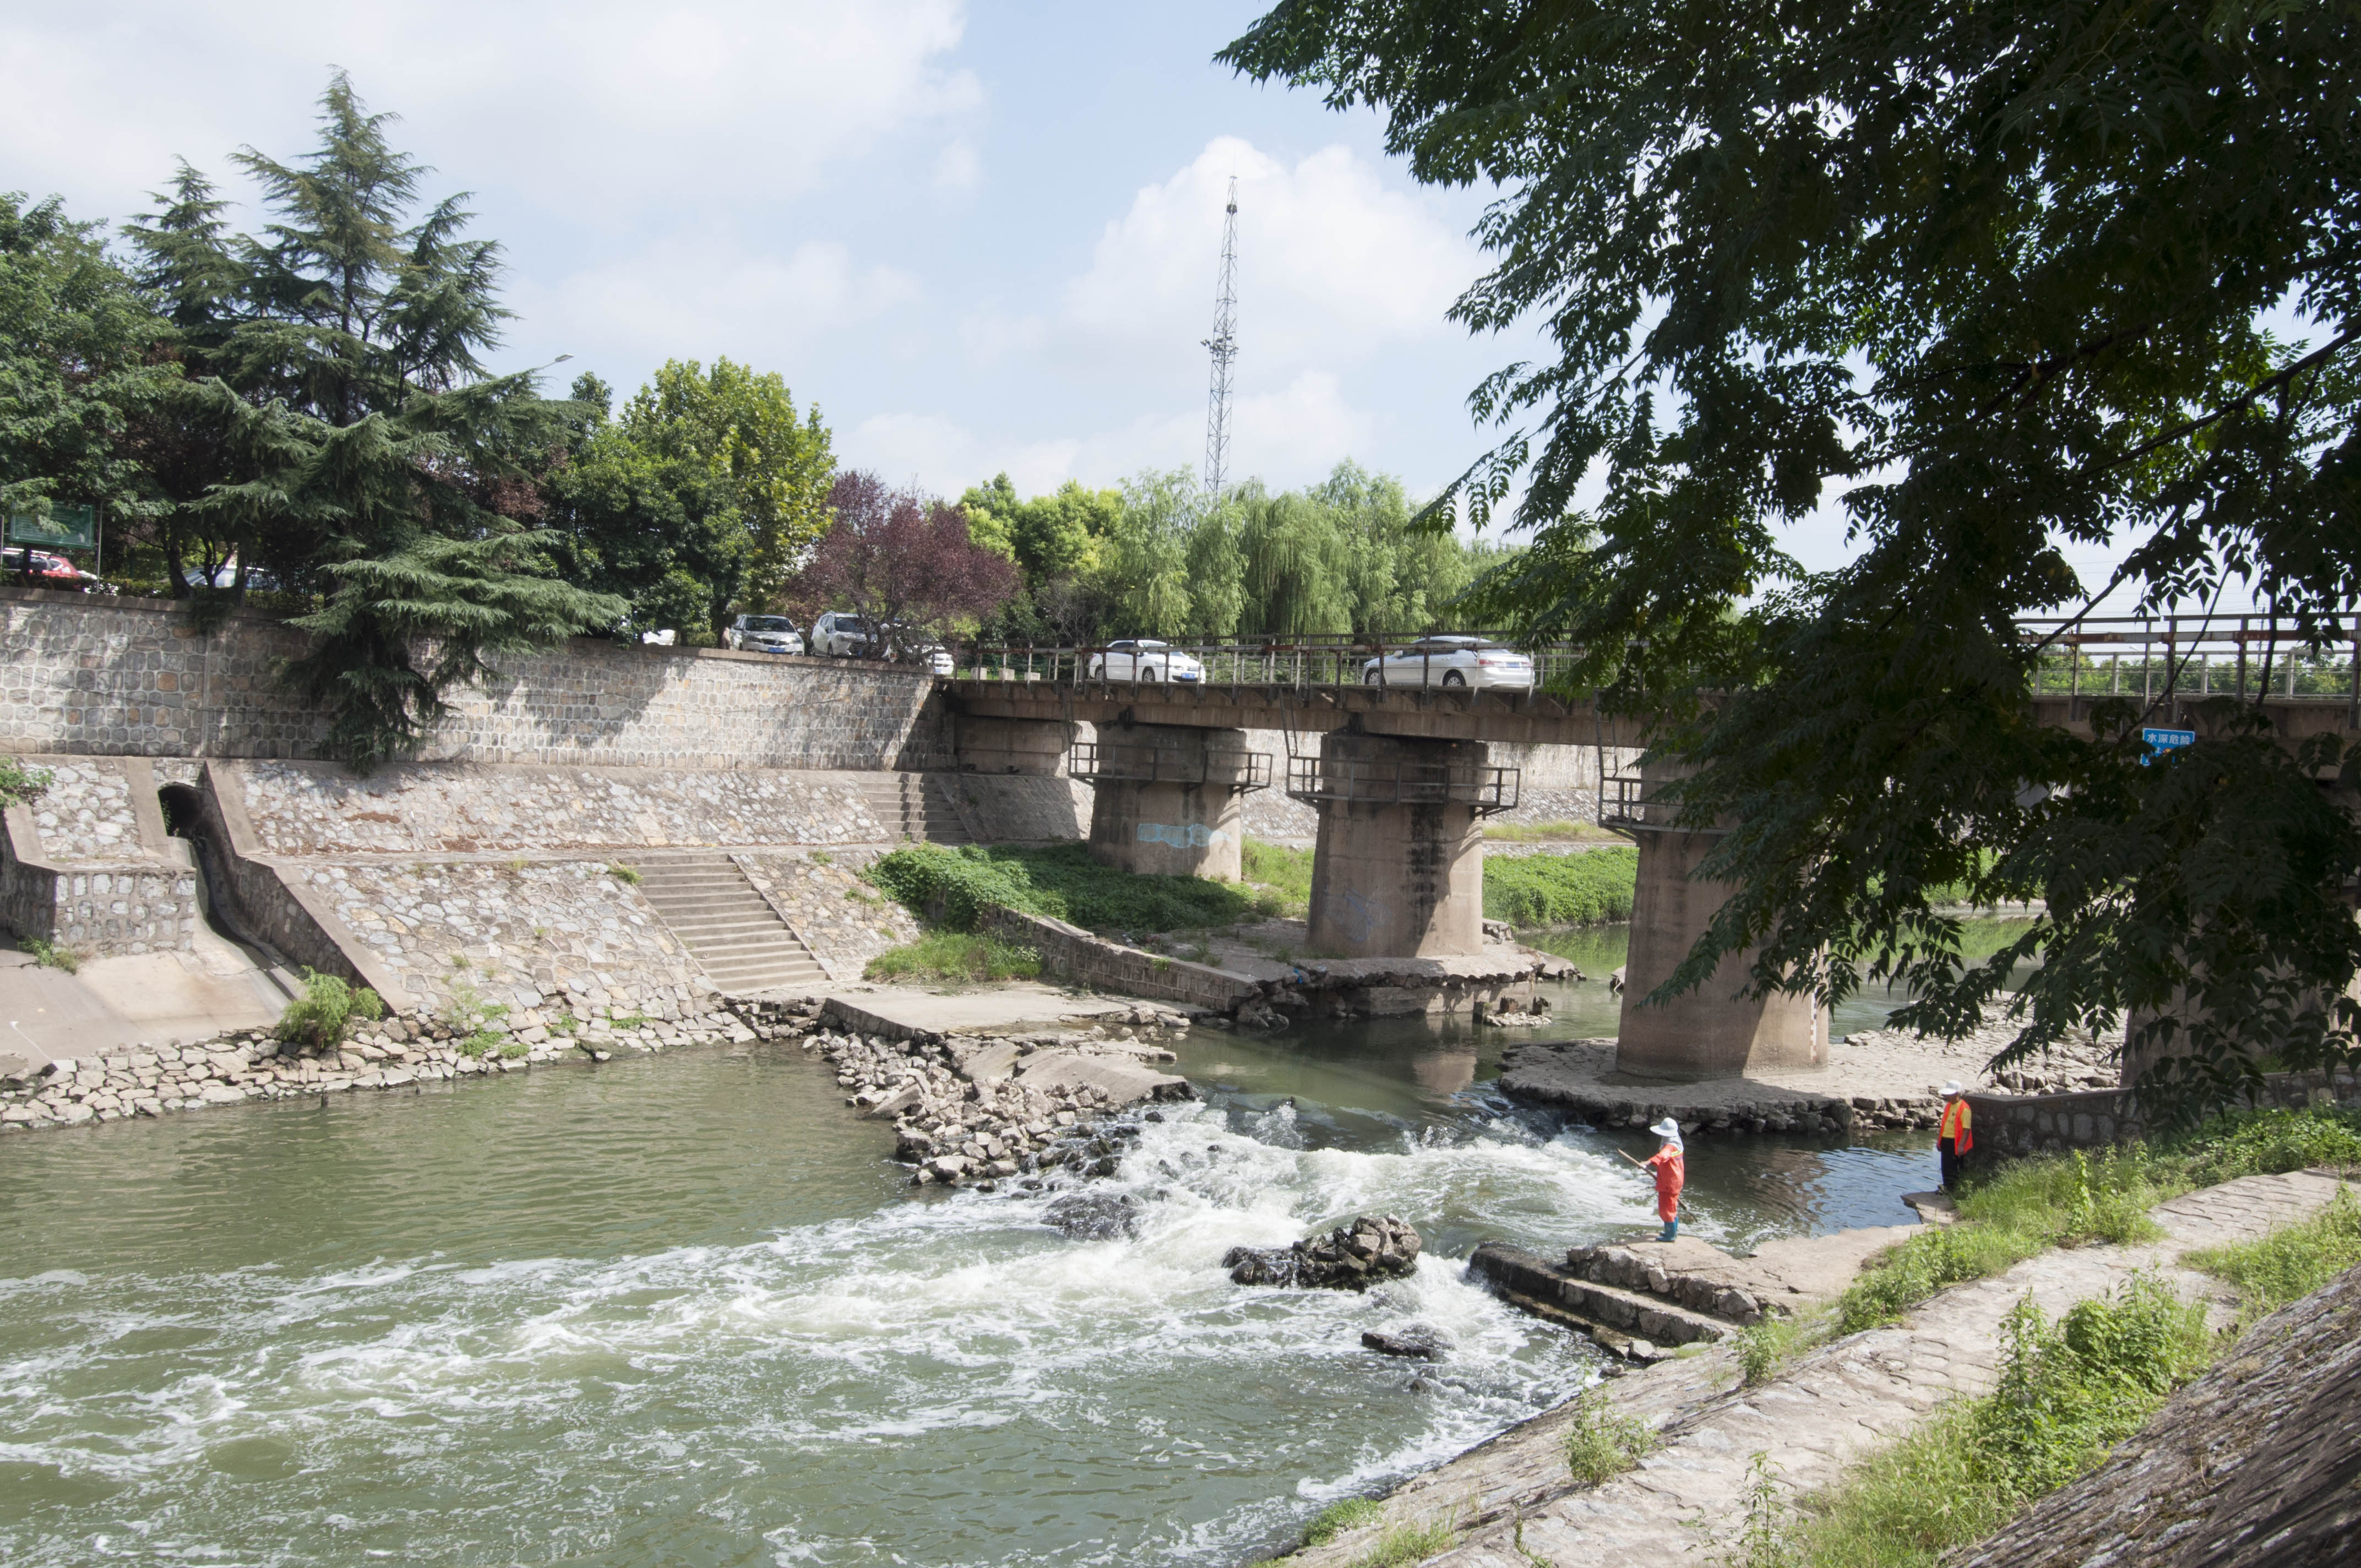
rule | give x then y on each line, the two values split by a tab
101	677
2009	1126
87	866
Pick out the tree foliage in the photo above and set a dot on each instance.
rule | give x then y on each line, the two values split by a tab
702	498
903	562
81	356
338	427
2002	278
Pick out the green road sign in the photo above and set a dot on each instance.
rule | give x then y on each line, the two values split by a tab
66	528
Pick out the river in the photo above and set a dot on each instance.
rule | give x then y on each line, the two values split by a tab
681	1310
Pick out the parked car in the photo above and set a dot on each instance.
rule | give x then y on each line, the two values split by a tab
763	635
1144	659
225	577
51	571
841	634
1451	661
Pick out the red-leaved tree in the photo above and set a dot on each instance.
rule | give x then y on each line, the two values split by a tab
902	560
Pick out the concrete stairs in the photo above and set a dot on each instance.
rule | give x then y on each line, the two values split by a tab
917	807
728	927
1639	1324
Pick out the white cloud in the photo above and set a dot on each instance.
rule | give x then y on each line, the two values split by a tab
958	168
941	455
752	99
699	297
1333	266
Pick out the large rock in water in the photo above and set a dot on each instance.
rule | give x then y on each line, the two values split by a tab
1353	1256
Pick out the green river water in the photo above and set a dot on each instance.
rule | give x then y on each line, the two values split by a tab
682	1310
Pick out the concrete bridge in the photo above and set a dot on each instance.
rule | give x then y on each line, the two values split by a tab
1401	777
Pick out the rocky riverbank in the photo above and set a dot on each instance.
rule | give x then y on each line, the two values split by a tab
1875	1081
980	1110
232	1069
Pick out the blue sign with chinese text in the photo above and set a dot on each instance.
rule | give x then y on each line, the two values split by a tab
2166	741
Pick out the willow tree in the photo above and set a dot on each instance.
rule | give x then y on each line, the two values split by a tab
345	433
2004	282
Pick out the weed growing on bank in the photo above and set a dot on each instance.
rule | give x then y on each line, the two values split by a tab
1562	889
1561	832
2068	1391
1603	1442
48	955
1765	1345
954	957
326	1010
2291	1262
1337	1517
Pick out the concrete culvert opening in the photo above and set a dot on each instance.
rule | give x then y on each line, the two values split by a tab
183	809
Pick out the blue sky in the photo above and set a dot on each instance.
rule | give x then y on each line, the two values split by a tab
983	238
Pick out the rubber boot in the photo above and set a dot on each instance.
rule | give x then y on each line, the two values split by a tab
1672	1229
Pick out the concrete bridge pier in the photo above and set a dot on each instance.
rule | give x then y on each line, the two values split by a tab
1399	869
1167	799
1035	747
1709	1031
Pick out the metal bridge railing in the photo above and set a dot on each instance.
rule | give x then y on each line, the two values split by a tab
2155	658
1095	761
1316	779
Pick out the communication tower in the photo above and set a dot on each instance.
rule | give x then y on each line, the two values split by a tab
1224	346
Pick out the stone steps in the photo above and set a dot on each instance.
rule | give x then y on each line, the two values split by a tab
1629	1322
729	927
1687	1274
917	807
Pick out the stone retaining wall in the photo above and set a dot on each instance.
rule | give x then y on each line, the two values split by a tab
2014	1126
87	867
109	676
1074	954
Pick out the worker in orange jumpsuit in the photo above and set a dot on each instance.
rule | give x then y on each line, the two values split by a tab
1957	1134
1670	1172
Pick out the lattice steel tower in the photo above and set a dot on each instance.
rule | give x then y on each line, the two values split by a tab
1224	346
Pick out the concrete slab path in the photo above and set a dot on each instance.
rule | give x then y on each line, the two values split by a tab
111	1004
901	1013
1831	1407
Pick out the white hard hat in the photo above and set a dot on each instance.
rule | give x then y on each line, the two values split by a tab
1952	1088
1667	1128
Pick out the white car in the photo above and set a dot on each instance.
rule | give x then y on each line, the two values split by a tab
763	635
841	634
1144	659
1451	661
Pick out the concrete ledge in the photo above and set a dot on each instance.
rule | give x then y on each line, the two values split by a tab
261	902
1074	954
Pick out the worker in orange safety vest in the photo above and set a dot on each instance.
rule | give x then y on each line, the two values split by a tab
1671	1173
1957	1134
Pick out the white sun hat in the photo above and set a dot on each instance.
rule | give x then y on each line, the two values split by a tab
1952	1088
1667	1128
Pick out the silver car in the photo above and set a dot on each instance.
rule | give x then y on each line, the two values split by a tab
841	634
1451	661
763	635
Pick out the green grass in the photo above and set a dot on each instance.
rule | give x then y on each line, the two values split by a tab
1552	833
1337	1517
624	873
954	956
1562	889
1287	873
1403	1545
2069	1392
953	886
2066	1201
1765	1345
2291	1262
1603	1442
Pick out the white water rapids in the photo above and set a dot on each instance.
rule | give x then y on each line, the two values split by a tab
684	1315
